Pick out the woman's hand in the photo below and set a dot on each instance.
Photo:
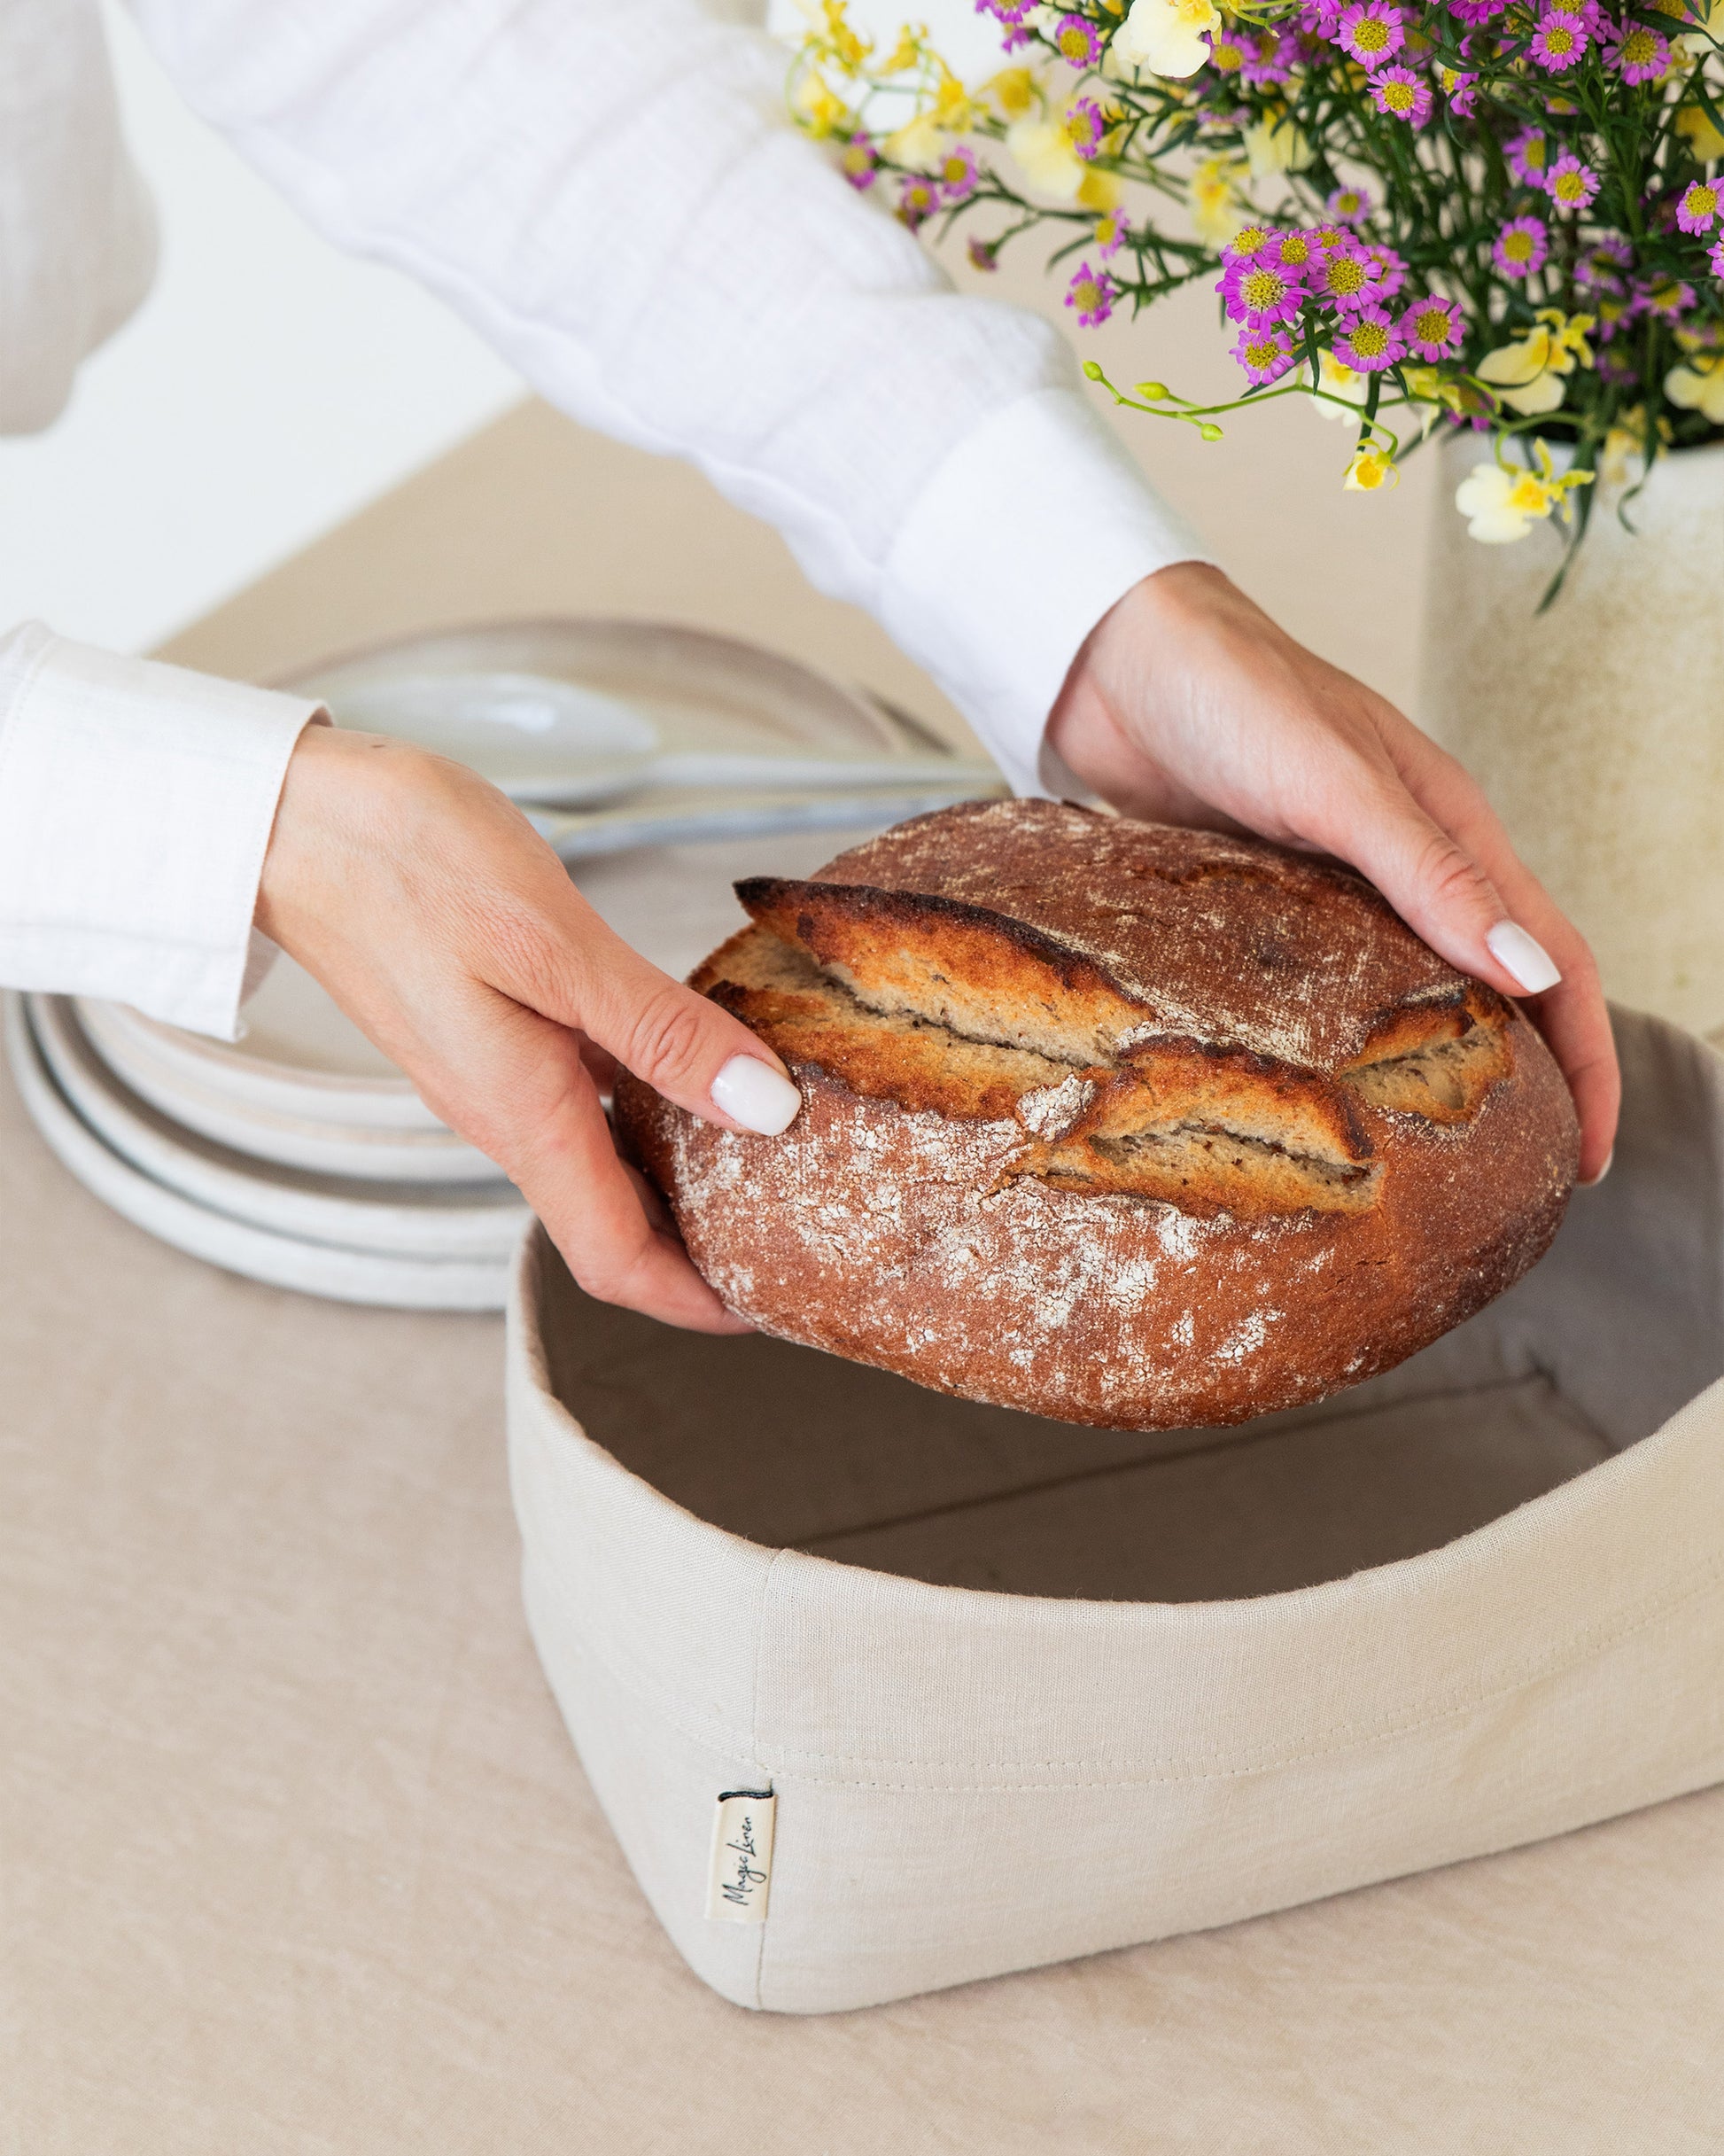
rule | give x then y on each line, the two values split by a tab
427	905
1187	704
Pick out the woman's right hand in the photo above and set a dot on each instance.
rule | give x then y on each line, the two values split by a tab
448	929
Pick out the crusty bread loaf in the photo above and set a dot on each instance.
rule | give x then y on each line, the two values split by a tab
1113	1122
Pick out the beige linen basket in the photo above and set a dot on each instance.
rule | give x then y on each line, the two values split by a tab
1019	1691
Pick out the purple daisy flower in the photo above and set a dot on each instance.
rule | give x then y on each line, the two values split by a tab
1265	355
1701	202
1295	251
1346	278
1612	312
1373	32
1093	293
1459	87
1639	53
1076	42
1249	240
984	254
1322	18
1226	52
1087	125
1715	256
1260	292
1528	154
1669	299
1391	270
1477	13
1560	40
1522	247
1009	11
918	199
1402	95
859	161
1370	341
1432	328
1112	231
1600	266
1350	205
1270	59
1570	184
958	174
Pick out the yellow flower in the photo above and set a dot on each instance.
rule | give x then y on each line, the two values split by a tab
916	144
1703	139
952	109
841	41
1529	373
1372	468
820	111
1501	502
1048	161
1013	91
1501	506
1699	36
1699	386
1438	392
1165	36
1099	190
1568	337
1217	214
904	54
1274	145
1626	445
1339	380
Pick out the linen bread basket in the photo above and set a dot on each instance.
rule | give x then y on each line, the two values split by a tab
883	1690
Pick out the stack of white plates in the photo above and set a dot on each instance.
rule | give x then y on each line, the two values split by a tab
661	763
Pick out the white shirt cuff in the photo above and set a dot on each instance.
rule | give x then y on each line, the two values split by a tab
137	802
1034	526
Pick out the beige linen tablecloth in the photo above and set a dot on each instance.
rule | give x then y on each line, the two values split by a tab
294	1853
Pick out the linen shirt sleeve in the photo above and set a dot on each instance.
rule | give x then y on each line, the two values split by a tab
612	194
135	806
77	234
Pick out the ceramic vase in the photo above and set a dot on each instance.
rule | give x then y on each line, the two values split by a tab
1596	728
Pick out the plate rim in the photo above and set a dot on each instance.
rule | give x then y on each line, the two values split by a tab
120	1121
361	1277
368	1152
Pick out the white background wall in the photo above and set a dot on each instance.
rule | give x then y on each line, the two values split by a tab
269	386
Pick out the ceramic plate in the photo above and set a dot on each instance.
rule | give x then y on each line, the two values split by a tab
283	1261
483	1221
166	1067
579	712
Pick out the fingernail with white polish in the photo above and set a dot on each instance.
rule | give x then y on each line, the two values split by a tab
1593	1181
752	1093
1522	955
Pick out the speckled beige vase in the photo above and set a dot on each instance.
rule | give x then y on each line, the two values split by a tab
1597	728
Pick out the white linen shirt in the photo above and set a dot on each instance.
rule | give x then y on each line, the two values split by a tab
612	192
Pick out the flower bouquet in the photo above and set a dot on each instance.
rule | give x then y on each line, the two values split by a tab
1424	214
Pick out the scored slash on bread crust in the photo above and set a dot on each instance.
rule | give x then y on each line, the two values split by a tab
1030	1030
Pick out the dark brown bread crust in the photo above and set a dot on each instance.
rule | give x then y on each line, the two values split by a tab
1115	1123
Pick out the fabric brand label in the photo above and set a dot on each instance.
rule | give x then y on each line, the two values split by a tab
740	1877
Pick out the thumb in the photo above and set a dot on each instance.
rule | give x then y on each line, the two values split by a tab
681	1044
1437	887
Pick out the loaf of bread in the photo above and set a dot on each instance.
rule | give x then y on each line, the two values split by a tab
1114	1122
